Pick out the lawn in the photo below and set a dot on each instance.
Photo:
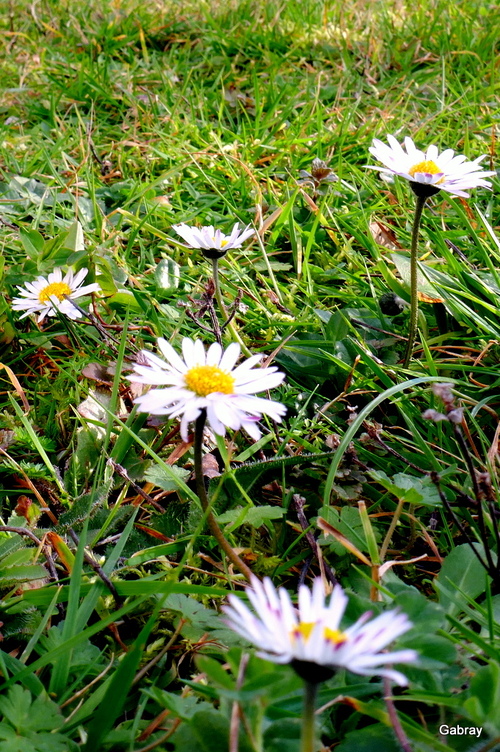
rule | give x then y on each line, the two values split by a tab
369	460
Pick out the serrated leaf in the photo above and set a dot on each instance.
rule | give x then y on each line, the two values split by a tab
257	516
348	523
409	488
164	479
180	707
24	715
22	574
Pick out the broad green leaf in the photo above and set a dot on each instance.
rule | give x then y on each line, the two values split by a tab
461	571
254	516
208	731
74	239
32	241
32	572
213	669
426	292
483	704
348	522
374	738
167	276
123	299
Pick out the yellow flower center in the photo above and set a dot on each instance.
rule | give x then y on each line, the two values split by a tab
428	166
304	629
203	380
335	636
59	289
223	243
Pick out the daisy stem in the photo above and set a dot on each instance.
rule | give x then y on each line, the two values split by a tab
419	207
223	309
202	495
308	725
218	294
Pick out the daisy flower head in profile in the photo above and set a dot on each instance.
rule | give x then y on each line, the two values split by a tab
429	171
207	381
212	243
310	638
48	295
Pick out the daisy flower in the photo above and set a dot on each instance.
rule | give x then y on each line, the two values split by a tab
207	381
212	243
447	171
48	295
310	638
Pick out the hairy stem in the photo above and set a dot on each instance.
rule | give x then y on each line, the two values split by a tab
228	319
419	207
308	725
394	718
202	495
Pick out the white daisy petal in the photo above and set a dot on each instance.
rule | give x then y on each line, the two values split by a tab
207	380
171	356
210	239
48	295
438	171
252	429
246	365
188	352
199	353
310	634
186	234
231	355
216	425
214	354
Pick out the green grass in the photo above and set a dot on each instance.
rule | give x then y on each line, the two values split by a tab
129	118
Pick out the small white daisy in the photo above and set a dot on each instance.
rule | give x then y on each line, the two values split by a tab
213	243
47	295
445	171
208	381
309	637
